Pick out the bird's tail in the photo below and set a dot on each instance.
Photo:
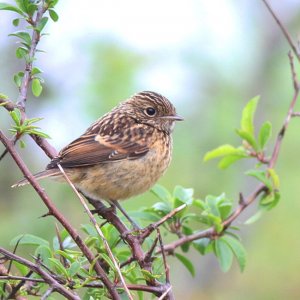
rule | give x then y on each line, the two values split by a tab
38	176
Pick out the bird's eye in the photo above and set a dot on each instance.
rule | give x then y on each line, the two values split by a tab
150	111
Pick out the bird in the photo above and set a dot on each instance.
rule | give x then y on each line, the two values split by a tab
122	154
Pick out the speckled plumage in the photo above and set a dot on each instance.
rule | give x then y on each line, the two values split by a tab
123	153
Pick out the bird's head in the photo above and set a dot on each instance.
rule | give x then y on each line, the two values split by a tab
152	109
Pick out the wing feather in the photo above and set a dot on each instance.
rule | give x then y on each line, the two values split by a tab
92	149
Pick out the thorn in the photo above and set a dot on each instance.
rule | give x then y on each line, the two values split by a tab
241	199
46	215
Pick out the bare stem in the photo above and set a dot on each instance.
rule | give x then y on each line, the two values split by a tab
283	29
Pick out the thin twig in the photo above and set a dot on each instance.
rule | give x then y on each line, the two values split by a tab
22	278
36	268
167	270
151	250
289	114
61	247
165	293
149	229
283	29
47	293
99	231
32	50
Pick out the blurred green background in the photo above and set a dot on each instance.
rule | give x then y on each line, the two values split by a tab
209	58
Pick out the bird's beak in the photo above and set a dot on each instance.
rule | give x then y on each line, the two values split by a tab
173	118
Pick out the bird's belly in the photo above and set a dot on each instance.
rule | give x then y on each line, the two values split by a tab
122	179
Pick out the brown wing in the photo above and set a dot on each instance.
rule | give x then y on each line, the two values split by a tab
92	149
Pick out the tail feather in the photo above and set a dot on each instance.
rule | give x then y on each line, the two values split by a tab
38	176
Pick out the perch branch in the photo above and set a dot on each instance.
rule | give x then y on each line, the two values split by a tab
54	211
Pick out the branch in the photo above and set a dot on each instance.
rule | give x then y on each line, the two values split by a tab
289	114
283	29
32	50
261	188
149	229
54	284
55	212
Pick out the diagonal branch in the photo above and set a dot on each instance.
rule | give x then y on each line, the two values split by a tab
149	229
283	29
261	188
55	212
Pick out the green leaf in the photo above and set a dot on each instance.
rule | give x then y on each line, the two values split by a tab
59	266
185	196
187	263
31	8
22	144
223	253
186	231
66	255
89	229
42	24
16	22
28	239
44	253
35	71
18	80
23	35
201	245
254	218
52	3
248	137
3	97
264	134
162	206
6	6
237	249
248	115
21	52
36	87
22	269
40	133
261	176
22	5
74	268
16	116
53	15
270	200
228	160
161	192
149	276
223	151
275	178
